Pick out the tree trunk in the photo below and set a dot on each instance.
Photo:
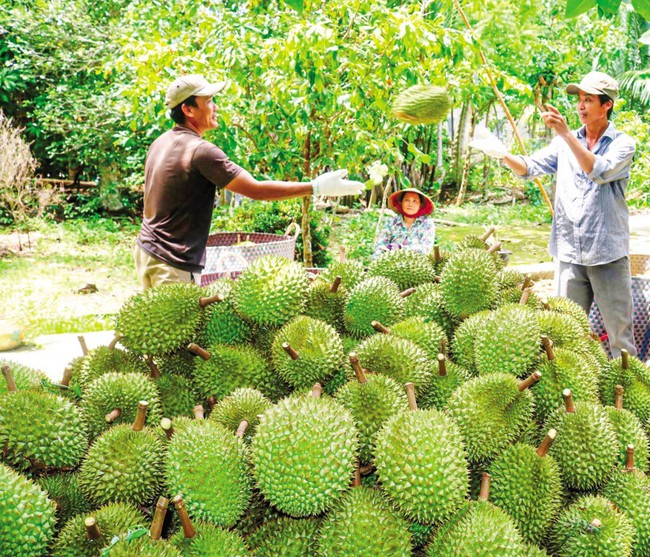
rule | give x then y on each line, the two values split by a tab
461	142
464	159
307	254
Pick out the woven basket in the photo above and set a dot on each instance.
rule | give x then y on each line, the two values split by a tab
224	259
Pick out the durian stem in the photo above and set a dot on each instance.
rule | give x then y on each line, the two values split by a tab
377	326
92	530
488	233
436	254
442	365
205	302
241	430
317	390
356	482
117	338
336	284
356	366
545	445
198	412
548	347
158	518
341	254
186	522
198	351
155	372
618	397
527	282
530	381
410	394
212	402
437	278
486	479
625	359
84	346
167	427
568	401
443	347
596	523
407	292
113	415
524	296
366	469
629	458
289	350
9	378
545	304
141	416
67	376
494	247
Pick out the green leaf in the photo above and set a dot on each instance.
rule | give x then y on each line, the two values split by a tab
608	8
297	5
576	7
643	8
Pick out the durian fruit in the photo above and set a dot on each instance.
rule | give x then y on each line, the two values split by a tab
586	447
103	360
476	242
138	544
40	431
205	540
262	339
113	398
209	466
526	483
592	525
569	307
427	334
534	551
180	362
406	268
510	278
479	528
491	412
562	328
468	282
241	404
562	369
426	302
285	537
439	258
222	324
124	464
508	342
351	272
401	359
63	488
427	480
304	453
373	299
85	535
371	399
307	351
325	301
234	367
176	395
270	291
24	377
364	524
257	513
462	344
27	516
161	319
628	489
442	384
422	104
629	431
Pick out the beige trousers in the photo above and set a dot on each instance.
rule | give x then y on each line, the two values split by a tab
152	271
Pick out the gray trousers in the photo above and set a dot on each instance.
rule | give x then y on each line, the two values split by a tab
610	286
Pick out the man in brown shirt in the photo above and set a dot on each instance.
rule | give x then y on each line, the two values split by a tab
182	175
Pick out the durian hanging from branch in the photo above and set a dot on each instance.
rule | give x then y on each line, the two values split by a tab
422	104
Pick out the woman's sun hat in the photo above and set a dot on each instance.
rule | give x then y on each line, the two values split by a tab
395	202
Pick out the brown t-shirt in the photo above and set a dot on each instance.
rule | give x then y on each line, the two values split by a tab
182	173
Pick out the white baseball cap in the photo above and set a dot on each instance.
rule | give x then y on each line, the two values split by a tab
595	83
188	85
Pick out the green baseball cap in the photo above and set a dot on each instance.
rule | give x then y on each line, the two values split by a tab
595	83
188	85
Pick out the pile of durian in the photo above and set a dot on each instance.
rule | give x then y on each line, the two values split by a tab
427	406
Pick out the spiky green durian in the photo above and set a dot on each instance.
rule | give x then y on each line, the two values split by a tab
119	390
211	541
317	349
371	401
111	520
263	339
508	342
426	302
285	537
325	300
426	479
534	551
569	307
428	335
103	360
208	465
236	367
337	381
64	490
304	454
27	516
629	431
439	257
24	377
176	395
422	104
514	295
634	376
462	344
270	291
491	412
241	404
509	278
479	528
373	299
161	319
401	359
443	382
41	431
406	268
137	543
562	328
222	324
351	272
528	487
468	282
592	526
180	362
123	466
257	513
363	523
586	447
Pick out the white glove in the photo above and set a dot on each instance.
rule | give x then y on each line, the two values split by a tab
484	140
334	185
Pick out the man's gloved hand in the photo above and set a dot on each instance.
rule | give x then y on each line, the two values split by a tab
333	184
484	140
